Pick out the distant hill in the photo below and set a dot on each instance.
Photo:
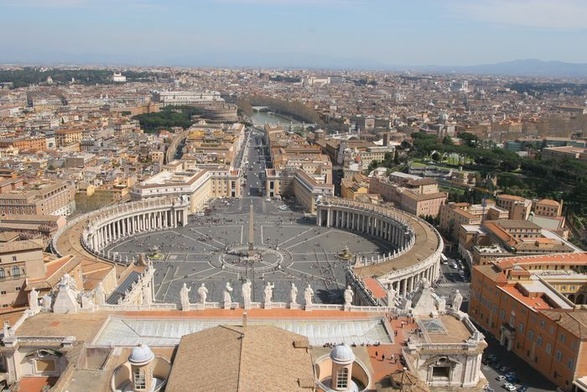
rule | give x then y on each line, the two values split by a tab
528	67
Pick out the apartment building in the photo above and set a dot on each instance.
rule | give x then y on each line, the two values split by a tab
416	195
354	186
32	143
547	207
308	189
67	137
517	300
52	198
19	261
197	184
518	207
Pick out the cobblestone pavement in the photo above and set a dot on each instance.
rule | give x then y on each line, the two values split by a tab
213	249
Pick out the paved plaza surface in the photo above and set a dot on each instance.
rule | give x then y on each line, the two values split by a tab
288	248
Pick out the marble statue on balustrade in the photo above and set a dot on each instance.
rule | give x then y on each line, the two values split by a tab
184	296
348	296
391	296
47	301
66	300
424	283
293	294
308	295
99	294
87	300
147	295
227	296
68	281
203	293
246	291
268	292
34	300
457	300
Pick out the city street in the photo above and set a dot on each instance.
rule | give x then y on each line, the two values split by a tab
529	377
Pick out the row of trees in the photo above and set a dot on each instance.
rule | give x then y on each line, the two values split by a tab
530	177
295	109
168	117
29	75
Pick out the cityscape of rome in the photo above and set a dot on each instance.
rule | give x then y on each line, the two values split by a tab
188	215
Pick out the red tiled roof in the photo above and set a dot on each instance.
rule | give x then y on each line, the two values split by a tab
559	258
537	302
375	287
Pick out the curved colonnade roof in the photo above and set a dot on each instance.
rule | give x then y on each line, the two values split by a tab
427	242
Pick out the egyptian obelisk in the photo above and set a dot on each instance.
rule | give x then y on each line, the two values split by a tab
251	232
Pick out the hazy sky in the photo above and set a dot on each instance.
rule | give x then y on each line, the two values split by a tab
275	32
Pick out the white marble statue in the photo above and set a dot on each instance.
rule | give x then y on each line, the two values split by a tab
47	300
348	296
203	293
293	294
34	300
268	292
227	295
68	282
391	296
457	300
424	283
308	295
184	296
147	295
246	291
99	294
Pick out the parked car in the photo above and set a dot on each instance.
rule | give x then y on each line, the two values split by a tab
509	387
500	377
523	388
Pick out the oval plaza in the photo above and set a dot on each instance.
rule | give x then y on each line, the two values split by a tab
399	250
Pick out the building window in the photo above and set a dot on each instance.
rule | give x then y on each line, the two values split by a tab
562	337
44	365
342	378
558	355
548	347
539	341
530	334
15	271
2	273
570	364
139	379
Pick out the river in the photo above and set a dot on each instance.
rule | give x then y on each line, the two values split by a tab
262	118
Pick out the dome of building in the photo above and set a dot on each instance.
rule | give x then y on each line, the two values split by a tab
141	355
342	354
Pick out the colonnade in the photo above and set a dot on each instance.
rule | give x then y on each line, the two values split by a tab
375	224
410	283
122	227
118	222
396	227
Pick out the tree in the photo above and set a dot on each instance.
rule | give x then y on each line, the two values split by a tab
469	139
396	157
